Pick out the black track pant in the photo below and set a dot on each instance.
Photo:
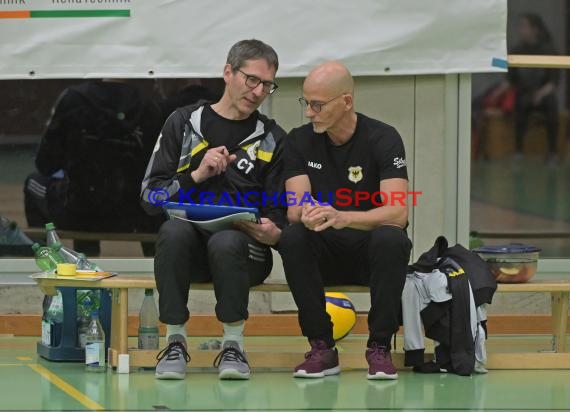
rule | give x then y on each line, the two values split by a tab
231	259
376	258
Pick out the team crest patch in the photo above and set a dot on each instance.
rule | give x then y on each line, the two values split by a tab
355	174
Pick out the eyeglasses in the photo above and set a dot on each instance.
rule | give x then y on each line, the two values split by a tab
253	81
316	106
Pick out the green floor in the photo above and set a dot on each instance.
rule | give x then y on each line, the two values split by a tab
30	383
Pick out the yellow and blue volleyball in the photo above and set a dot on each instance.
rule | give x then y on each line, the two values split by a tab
342	313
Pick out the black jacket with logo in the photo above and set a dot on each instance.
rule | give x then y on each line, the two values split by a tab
255	175
449	322
481	279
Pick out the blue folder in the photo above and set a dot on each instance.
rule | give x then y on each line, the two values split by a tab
199	212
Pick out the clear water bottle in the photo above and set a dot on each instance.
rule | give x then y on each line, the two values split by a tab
95	345
69	255
52	317
82	325
47	257
51	235
52	320
85	305
148	322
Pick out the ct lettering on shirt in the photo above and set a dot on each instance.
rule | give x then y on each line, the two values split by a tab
246	162
245	165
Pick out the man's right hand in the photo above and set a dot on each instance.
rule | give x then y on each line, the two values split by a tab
214	162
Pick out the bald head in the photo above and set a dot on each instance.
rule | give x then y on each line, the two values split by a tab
332	78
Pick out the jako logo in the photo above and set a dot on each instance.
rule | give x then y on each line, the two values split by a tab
315	165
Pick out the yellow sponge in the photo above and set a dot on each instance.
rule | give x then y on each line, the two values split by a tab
66	269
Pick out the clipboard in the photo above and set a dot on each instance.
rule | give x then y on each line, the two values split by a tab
212	217
204	212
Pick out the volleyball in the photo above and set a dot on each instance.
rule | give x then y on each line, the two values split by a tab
342	313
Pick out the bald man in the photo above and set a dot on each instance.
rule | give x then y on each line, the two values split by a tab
343	231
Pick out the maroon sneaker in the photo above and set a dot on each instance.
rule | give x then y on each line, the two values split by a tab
319	361
380	364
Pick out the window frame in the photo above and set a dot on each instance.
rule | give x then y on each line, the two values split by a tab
546	265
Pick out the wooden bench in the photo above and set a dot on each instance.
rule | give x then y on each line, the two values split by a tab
558	359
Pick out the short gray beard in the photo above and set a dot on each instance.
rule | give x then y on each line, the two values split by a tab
319	129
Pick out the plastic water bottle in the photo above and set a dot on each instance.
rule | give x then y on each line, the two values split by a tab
87	301
51	235
82	325
69	255
52	317
85	305
52	320
46	327
148	322
95	345
47	258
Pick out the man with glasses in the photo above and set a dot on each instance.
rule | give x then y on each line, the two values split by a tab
341	232
225	149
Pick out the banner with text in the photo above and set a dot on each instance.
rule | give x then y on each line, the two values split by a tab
191	38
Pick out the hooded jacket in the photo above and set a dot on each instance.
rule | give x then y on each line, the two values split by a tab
254	179
450	322
480	277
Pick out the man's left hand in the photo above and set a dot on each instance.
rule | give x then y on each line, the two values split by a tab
320	217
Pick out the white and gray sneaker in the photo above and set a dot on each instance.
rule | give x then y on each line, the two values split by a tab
172	360
231	362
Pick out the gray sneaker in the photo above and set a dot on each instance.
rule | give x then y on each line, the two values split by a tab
172	360
231	362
